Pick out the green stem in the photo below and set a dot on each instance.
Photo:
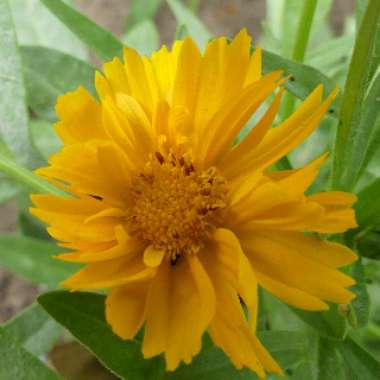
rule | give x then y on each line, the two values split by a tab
374	329
298	55
26	177
300	47
354	94
194	6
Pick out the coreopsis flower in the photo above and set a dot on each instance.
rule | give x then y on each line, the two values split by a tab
178	222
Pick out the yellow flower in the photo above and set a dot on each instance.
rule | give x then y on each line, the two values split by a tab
180	224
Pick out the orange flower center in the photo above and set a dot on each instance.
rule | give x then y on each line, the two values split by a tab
175	207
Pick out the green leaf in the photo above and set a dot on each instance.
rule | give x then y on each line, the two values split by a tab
50	73
210	364
369	127
280	28
13	113
360	305
328	324
83	315
181	32
8	189
26	177
360	363
143	37
185	16
17	363
330	364
44	137
33	259
35	25
100	41
29	225
350	138
369	245
367	208
141	10
287	347
304	78
34	329
331	53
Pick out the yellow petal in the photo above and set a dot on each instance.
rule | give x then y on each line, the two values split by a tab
191	290
153	257
325	252
229	329
248	288
157	314
338	216
164	67
290	295
116	76
126	248
125	309
140	88
233	161
254	67
232	117
292	216
110	273
211	83
185	85
283	264
80	117
301	179
293	131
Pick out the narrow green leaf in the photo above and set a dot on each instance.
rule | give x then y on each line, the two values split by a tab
25	177
83	315
141	10
50	73
350	138
35	25
331	52
360	305
304	78
44	137
13	114
369	245
369	127
367	208
33	259
328	324
17	363
360	363
181	32
143	37
185	16
100	41
8	189
330	364
34	329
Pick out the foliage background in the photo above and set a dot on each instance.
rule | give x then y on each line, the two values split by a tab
273	25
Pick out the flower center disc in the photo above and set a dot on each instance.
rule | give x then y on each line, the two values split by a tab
175	207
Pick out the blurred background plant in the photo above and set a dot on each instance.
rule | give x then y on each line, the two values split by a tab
48	48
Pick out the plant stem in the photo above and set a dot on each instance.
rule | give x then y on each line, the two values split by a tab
354	94
194	6
26	177
300	46
298	55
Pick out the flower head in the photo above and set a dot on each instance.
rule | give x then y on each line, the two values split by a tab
177	221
